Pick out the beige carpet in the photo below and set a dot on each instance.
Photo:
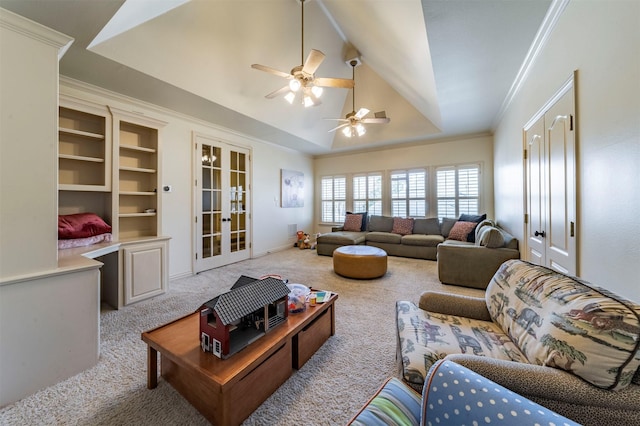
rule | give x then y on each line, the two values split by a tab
329	389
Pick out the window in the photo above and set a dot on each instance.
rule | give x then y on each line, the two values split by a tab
409	193
367	193
458	190
333	198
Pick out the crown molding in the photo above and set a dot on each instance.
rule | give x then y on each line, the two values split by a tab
556	9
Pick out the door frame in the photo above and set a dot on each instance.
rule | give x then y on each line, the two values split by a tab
196	177
569	84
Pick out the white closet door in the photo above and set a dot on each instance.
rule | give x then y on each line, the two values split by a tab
536	200
550	184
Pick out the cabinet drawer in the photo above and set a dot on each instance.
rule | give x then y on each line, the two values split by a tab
253	389
310	338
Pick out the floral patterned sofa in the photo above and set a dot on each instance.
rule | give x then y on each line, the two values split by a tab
566	344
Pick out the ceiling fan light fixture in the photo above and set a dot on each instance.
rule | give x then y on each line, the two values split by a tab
294	85
360	129
308	102
317	91
347	131
290	97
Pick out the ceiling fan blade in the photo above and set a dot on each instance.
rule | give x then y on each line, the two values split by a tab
339	127
361	113
375	120
278	92
338	119
343	83
271	70
313	61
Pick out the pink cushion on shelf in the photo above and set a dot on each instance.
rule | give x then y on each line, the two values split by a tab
353	222
461	230
81	225
402	226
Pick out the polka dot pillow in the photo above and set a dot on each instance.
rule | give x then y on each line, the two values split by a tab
455	395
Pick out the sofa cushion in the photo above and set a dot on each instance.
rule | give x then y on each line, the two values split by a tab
343	238
461	230
425	337
429	226
567	323
402	225
422	240
353	223
490	237
380	223
393	404
447	224
384	237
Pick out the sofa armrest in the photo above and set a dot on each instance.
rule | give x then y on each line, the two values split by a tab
454	304
471	265
557	389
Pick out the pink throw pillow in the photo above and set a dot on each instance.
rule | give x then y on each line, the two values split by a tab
353	222
402	226
461	230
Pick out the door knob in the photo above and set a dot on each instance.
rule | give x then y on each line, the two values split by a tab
539	234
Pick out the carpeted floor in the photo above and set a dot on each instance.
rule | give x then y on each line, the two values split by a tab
328	390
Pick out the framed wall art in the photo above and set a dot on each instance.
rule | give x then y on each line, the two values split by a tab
292	188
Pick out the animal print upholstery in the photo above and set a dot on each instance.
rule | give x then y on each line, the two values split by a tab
425	337
563	322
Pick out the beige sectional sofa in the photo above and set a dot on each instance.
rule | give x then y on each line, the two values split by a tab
422	243
466	263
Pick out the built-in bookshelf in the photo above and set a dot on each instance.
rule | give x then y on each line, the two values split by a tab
84	146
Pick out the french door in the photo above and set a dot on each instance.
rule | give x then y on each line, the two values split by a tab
550	184
222	195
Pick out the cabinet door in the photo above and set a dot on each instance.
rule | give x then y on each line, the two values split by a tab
144	270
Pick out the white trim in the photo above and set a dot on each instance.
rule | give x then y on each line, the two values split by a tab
86	88
36	31
539	41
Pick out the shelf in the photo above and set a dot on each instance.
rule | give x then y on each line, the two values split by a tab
83	188
138	148
137	214
74	132
146	193
80	158
137	170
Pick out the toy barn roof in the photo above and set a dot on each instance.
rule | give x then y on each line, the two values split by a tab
243	300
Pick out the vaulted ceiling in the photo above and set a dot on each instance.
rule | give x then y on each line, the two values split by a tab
438	68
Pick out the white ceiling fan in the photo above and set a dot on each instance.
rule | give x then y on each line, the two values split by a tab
302	78
353	123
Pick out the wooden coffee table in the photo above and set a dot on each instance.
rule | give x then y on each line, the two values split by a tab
227	391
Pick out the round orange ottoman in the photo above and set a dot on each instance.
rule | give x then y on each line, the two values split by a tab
362	262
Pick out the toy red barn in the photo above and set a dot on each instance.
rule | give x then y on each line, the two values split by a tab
233	320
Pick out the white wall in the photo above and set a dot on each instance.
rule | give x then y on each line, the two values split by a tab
602	41
464	150
270	221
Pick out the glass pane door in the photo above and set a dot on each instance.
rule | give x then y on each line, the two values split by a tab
222	194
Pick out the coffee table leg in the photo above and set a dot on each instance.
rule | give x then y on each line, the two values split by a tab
152	368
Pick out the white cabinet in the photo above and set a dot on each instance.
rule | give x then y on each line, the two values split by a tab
143	270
